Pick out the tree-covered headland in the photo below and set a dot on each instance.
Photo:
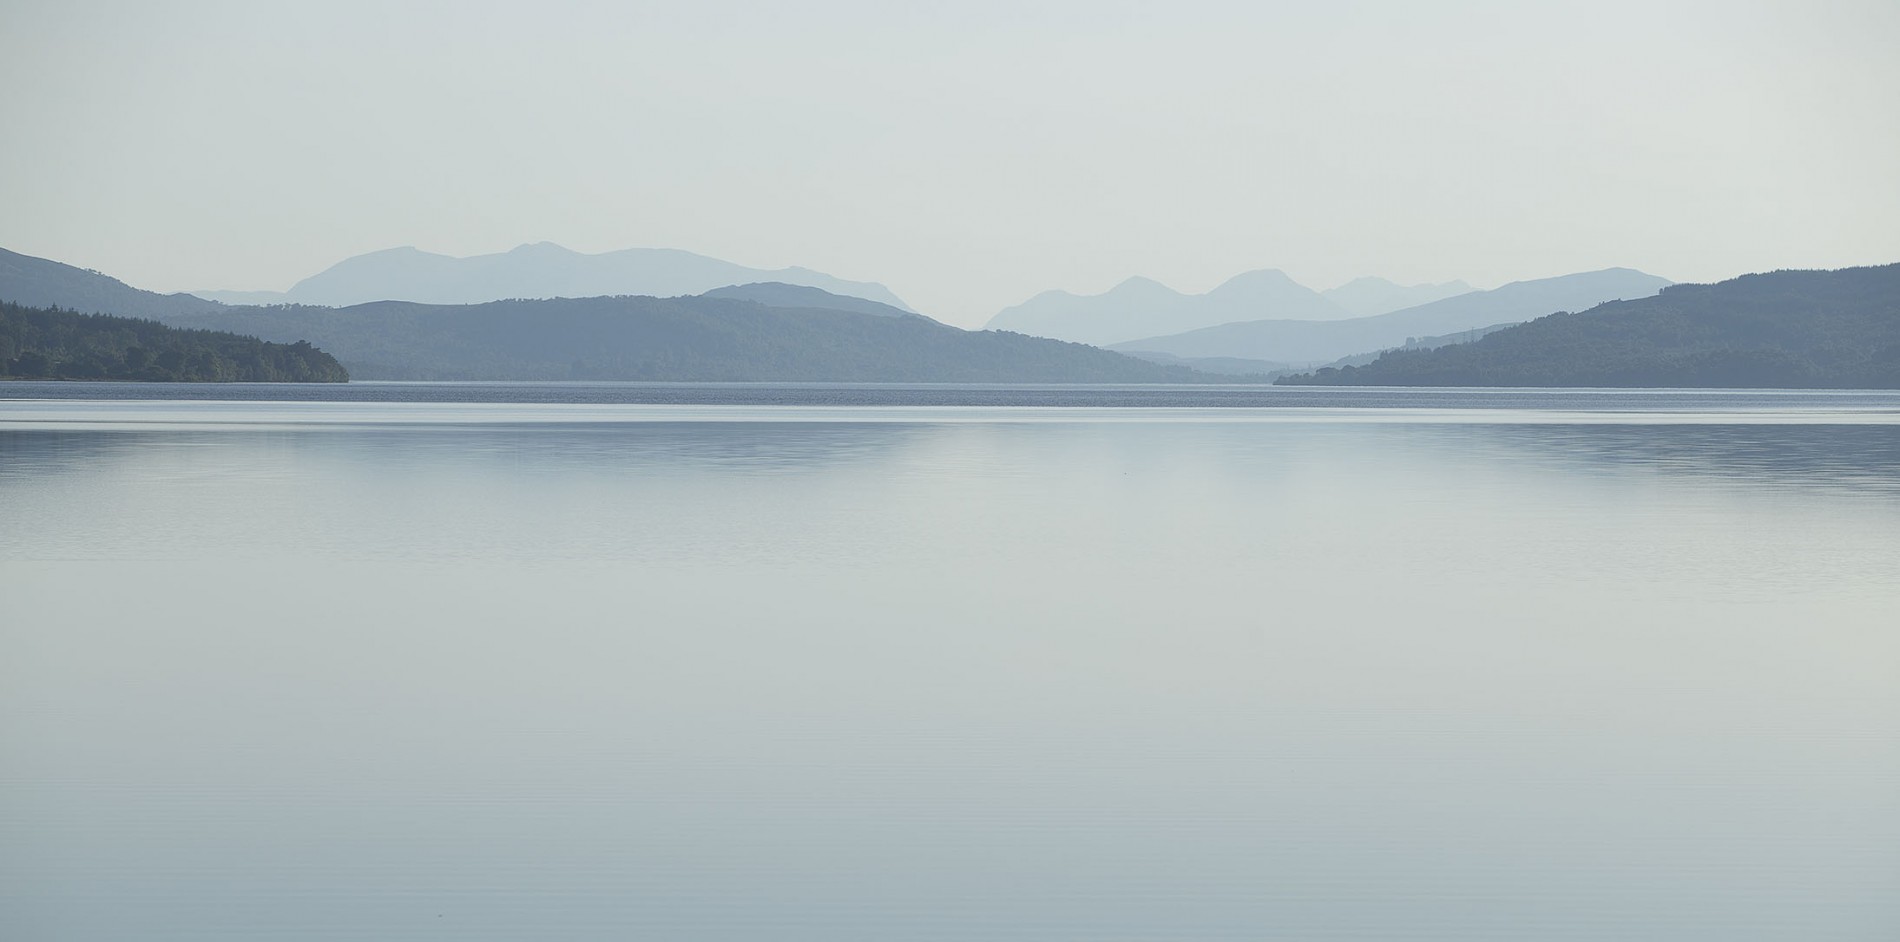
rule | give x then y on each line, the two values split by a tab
50	343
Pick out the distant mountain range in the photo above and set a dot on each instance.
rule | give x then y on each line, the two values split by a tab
540	270
1785	329
1323	341
749	332
1142	307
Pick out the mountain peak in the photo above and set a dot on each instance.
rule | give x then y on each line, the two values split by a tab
1260	280
1368	281
1138	284
1140	280
541	248
1261	274
395	252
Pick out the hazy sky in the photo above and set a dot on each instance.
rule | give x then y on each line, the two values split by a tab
966	154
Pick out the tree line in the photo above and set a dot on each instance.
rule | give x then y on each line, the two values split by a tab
53	343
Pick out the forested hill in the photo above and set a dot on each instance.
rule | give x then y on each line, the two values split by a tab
1785	329
693	338
48	343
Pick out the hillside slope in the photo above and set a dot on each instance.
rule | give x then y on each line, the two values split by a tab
40	282
1786	329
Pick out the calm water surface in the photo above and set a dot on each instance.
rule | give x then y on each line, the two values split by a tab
876	663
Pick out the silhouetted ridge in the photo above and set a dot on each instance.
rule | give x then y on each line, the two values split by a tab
39	282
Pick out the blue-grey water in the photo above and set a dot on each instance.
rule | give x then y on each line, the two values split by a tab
593	662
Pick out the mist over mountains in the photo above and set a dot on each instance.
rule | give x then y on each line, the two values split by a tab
1789	329
1315	341
537	270
754	332
1143	307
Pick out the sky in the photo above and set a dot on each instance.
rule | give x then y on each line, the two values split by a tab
967	155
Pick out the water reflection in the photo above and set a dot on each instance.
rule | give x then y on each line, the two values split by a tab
752	447
1001	680
667	488
1848	458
